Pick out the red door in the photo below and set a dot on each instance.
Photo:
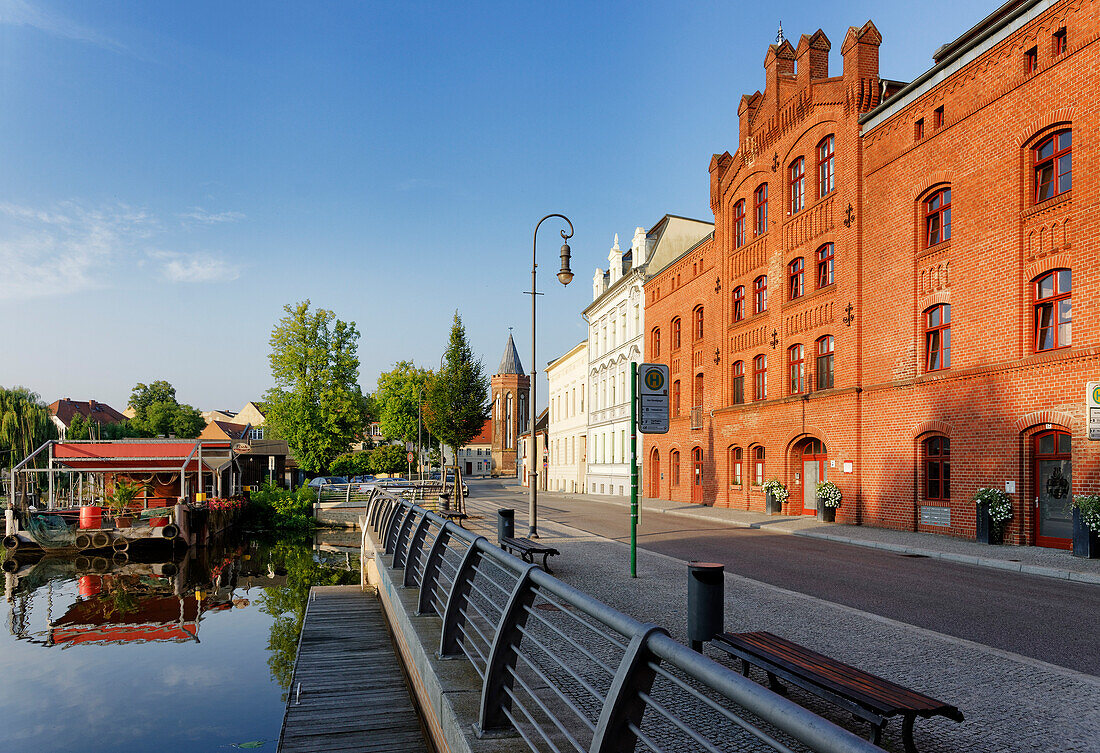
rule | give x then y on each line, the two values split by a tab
655	475
697	475
1053	490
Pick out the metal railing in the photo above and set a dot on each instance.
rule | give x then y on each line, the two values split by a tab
570	673
697	416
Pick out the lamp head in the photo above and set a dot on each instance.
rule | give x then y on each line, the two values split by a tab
565	274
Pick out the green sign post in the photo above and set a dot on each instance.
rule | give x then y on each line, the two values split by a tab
649	397
633	470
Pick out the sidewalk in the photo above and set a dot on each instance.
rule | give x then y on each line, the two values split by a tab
1034	560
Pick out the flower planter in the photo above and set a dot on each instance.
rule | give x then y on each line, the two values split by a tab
828	514
985	531
1085	543
774	506
124	522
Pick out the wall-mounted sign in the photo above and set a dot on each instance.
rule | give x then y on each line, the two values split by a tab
241	447
1092	405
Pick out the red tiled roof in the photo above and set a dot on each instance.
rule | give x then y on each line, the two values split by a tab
228	429
485	436
92	410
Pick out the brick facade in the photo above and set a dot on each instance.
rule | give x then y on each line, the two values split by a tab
884	403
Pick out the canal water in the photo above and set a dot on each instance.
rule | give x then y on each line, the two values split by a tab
159	651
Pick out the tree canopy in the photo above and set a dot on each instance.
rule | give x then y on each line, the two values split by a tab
316	404
158	413
24	425
397	399
84	428
458	401
389	458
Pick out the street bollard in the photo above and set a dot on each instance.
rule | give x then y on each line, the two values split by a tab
506	524
706	601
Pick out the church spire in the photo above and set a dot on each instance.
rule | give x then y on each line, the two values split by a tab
510	363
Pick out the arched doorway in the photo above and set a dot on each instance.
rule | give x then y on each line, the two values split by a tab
811	454
1053	487
697	475
655	474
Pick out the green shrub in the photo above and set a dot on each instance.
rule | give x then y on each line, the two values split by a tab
281	508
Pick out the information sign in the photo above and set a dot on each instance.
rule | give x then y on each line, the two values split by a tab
1092	405
653	398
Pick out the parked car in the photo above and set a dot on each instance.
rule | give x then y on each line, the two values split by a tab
317	483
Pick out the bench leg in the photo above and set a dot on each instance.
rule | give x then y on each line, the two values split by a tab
776	685
545	564
744	668
907	733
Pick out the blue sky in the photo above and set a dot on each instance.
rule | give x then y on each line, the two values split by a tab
172	174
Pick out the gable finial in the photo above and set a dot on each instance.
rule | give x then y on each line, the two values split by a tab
779	35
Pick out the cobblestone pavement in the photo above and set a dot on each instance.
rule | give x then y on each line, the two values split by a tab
1011	702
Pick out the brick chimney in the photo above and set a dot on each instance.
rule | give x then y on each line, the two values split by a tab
812	58
778	63
860	51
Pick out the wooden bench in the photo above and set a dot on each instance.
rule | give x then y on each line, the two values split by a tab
866	696
528	550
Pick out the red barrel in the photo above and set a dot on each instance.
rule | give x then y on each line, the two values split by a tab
91	516
90	585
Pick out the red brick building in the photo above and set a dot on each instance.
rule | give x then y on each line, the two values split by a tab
888	301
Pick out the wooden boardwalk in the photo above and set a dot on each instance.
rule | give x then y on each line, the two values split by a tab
353	692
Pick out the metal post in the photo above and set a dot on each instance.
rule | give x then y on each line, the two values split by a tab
706	598
50	492
633	470
419	441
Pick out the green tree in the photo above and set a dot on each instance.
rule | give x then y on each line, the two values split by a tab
24	425
351	464
316	404
458	399
399	398
158	413
389	458
144	395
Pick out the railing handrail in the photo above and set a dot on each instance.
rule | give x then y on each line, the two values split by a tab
403	528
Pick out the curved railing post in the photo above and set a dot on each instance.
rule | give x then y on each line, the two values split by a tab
401	513
412	549
460	592
431	571
401	544
503	655
384	520
624	705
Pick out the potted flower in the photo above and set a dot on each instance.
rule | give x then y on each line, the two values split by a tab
1086	525
828	499
776	495
994	509
120	499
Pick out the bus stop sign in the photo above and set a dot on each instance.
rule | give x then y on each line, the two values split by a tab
653	398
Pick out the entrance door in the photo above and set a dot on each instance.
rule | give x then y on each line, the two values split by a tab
469	468
655	475
1053	487
813	473
697	475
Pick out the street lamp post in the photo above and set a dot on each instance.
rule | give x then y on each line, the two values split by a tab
565	276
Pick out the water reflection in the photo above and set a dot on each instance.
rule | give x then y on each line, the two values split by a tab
181	651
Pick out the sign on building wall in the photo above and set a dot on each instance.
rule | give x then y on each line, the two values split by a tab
1092	406
653	398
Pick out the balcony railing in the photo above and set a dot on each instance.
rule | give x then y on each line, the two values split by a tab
697	414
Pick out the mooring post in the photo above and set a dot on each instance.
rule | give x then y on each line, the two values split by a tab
706	598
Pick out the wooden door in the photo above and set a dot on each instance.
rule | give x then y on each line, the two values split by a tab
1053	490
697	475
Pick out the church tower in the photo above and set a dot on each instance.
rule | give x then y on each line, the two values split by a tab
511	390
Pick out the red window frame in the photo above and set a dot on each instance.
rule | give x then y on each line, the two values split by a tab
760	294
826	166
937	469
824	347
937	118
1031	60
737	383
796	278
739	303
758	463
739	224
655	343
675	344
736	455
796	369
674	462
676	398
1053	169
760	377
760	209
1058	45
825	258
797	182
918	129
937	217
697	392
697	315
937	337
1053	310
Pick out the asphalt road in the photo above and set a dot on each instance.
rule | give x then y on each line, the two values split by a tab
1048	619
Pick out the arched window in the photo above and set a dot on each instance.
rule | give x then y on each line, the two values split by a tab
676	334
937	337
1054	310
760	377
655	343
760	209
760	294
825	166
825	362
825	265
674	466
739	303
509	437
937	217
797	179
698	318
676	398
937	469
758	466
1053	161
735	466
796	278
697	393
739	224
737	384
796	369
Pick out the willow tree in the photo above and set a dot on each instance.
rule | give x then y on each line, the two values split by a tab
458	399
316	404
24	425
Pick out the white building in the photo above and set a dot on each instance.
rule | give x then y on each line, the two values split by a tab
616	338
476	456
567	378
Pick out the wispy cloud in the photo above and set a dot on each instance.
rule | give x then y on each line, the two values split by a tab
69	248
195	267
203	217
22	13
